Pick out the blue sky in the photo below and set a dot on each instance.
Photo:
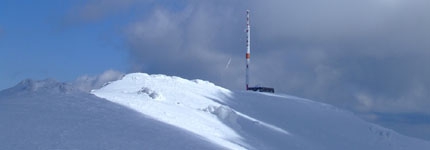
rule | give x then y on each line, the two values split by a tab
38	40
369	56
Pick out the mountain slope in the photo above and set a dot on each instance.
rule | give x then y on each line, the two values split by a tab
52	115
142	111
249	120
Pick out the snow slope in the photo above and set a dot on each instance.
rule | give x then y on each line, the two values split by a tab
49	115
249	120
142	111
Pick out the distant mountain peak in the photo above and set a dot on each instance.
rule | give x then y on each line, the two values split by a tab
46	85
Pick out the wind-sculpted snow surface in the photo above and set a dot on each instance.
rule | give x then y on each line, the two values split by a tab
142	111
49	115
250	120
175	101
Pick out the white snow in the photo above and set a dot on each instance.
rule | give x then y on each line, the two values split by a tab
176	101
142	111
250	120
49	115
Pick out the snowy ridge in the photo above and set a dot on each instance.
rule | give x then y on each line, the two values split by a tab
47	85
250	120
50	115
142	111
190	105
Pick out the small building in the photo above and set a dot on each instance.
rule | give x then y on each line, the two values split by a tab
262	89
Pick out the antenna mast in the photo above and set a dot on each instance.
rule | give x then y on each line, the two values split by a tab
248	48
248	58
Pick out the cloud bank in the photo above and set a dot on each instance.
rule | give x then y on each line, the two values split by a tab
368	56
365	55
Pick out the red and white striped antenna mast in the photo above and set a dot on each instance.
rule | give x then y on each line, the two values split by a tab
248	48
248	59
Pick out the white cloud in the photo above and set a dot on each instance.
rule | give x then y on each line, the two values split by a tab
365	102
87	83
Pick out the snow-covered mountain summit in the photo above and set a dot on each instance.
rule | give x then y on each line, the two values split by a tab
249	120
189	105
141	111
